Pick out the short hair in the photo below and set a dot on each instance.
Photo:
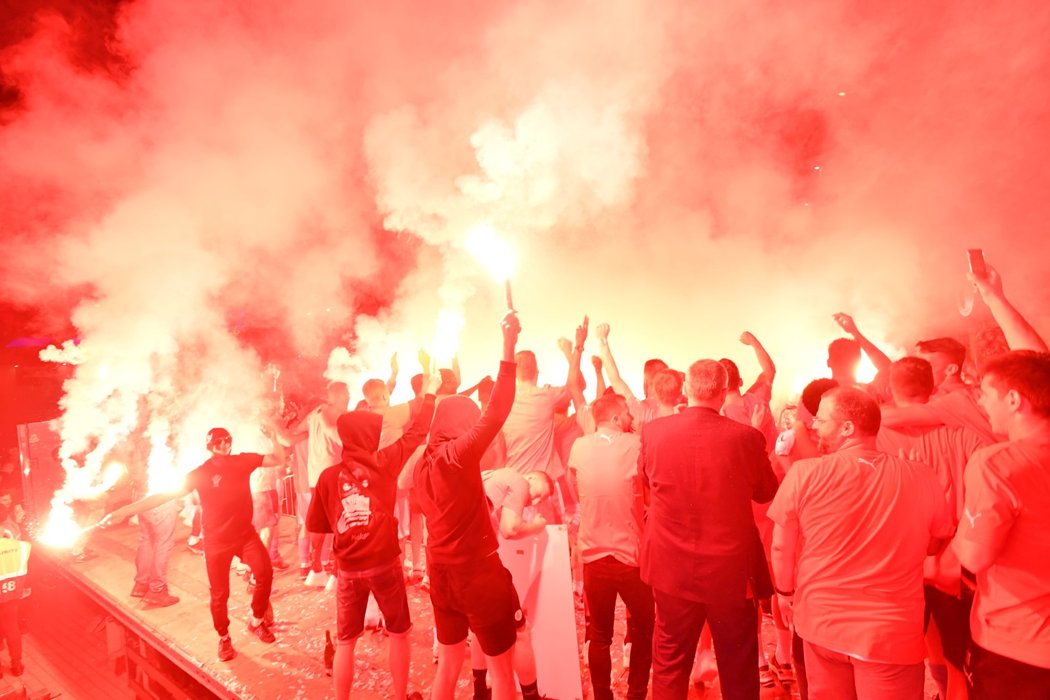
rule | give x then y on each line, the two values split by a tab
1028	373
417	383
707	380
813	392
988	344
651	367
951	347
527	369
734	381
667	386
544	476
607	406
333	387
912	377
858	407
843	351
373	388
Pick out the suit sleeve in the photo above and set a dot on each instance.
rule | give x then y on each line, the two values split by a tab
764	480
392	458
469	447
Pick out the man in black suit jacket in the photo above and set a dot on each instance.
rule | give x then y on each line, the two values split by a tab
700	550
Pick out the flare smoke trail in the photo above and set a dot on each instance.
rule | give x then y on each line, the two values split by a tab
685	171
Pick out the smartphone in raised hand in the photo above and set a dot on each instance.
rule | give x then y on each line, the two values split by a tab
977	266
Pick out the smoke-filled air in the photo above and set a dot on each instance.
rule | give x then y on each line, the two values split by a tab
230	190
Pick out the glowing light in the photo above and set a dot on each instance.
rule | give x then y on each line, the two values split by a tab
60	530
446	335
491	251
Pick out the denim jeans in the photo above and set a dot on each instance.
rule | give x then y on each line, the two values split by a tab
156	539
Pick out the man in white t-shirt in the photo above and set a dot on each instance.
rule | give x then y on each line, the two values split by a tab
604	466
852	529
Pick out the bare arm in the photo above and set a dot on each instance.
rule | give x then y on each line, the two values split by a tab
615	380
599	385
765	362
878	358
511	525
279	454
392	382
1018	331
141	506
782	555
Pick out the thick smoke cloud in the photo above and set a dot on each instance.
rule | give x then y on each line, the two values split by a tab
684	171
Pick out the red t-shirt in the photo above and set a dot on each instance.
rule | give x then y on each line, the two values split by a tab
1007	516
865	520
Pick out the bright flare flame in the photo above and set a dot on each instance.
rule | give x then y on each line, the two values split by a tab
61	530
491	251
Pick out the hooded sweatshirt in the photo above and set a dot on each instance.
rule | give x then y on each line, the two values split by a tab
448	477
355	498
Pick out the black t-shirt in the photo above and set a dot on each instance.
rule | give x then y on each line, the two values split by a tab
355	499
226	498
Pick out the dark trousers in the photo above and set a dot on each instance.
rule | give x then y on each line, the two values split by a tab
10	629
252	553
991	676
603	580
678	625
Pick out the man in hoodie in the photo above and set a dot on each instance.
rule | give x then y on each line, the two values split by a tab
355	500
470	587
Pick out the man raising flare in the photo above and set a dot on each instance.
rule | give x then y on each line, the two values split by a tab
470	587
222	483
1004	534
700	549
851	531
355	500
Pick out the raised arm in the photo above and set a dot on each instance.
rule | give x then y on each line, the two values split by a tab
615	380
396	454
475	441
392	382
599	385
279	454
1018	331
878	358
765	362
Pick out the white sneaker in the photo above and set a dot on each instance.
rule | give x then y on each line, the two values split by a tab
316	579
330	586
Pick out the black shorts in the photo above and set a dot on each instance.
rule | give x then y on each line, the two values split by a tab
387	584
478	596
952	616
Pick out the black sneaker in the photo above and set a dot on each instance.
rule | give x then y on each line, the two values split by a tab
262	631
414	695
226	651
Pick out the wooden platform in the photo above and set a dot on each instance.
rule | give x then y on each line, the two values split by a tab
293	667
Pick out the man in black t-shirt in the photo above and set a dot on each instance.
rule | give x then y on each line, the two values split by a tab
222	483
355	500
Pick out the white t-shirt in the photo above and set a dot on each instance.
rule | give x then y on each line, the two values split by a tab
324	448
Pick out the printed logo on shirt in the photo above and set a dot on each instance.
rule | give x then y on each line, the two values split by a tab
216	480
357	510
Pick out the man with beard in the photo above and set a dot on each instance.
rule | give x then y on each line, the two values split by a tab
470	587
851	531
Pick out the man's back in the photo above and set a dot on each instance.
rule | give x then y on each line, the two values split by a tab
865	521
529	428
606	468
703	471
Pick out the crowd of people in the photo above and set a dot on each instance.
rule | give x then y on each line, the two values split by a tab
884	528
